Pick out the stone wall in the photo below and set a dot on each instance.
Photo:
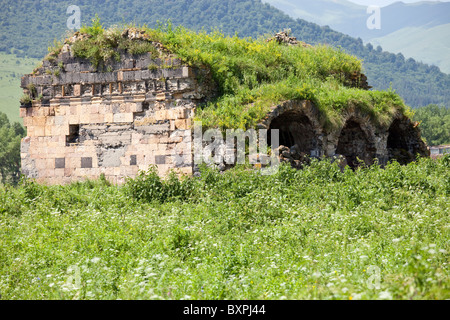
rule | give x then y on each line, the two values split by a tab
84	123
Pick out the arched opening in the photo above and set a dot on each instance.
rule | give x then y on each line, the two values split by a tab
295	128
402	142
354	144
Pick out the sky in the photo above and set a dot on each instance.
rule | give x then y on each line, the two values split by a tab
383	3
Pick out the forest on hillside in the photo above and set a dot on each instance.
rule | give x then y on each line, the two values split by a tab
42	21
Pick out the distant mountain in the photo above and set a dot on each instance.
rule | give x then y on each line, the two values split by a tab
349	18
341	15
418	30
401	15
27	27
429	45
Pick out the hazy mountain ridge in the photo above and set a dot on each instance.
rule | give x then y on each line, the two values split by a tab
322	12
345	16
434	45
414	22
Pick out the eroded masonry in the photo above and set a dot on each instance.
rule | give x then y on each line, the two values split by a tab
82	123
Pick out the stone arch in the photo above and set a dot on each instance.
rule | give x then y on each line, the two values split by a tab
298	126
404	142
355	142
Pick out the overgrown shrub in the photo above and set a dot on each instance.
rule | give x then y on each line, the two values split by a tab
148	186
25	99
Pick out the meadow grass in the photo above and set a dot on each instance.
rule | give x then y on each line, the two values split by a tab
316	233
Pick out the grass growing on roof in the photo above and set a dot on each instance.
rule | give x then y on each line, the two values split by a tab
252	75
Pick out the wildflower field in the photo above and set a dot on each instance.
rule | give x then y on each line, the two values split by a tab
316	233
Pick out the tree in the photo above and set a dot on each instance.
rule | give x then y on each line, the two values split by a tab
434	124
10	137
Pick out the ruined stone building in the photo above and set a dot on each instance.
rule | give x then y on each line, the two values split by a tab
82	123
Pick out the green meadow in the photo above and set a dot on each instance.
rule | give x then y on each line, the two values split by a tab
316	233
12	69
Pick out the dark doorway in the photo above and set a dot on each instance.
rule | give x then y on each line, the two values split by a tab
295	129
402	141
354	144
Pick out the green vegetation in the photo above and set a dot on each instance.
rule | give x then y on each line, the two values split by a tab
434	124
417	83
253	75
10	136
307	234
32	88
315	233
95	29
102	45
152	67
26	99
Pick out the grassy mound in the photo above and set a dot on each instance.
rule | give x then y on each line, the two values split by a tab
251	74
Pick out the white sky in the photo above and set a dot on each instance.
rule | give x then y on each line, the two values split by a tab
383	3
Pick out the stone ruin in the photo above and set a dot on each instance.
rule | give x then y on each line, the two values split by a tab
284	37
359	139
82	123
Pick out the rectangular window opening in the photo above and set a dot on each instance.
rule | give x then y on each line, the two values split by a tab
74	134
